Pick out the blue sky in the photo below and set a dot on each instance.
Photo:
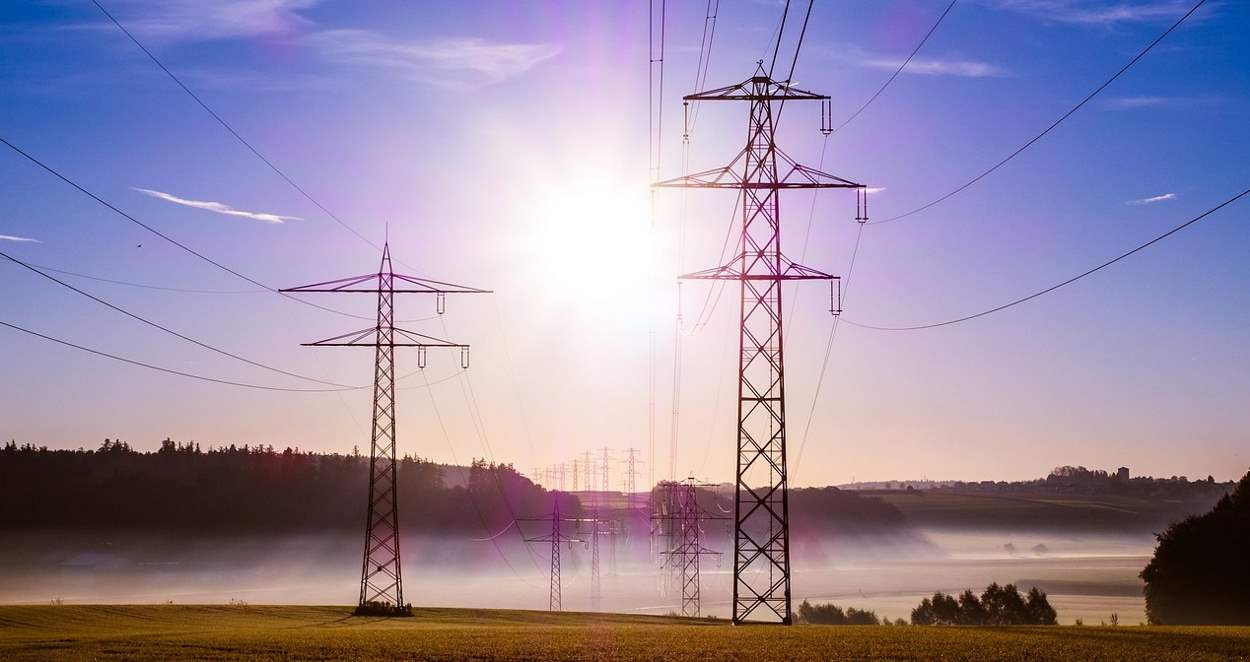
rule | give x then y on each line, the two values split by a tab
506	146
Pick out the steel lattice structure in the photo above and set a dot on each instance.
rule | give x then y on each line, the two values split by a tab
555	537
685	556
381	576
759	172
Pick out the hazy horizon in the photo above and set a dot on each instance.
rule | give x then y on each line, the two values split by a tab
505	145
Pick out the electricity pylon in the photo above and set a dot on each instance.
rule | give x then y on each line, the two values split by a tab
555	537
381	583
761	512
666	532
684	557
631	475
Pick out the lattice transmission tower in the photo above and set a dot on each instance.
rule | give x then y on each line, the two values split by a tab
554	537
684	557
761	565
381	577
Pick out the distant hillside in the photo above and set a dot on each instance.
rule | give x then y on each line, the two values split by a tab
1068	498
181	488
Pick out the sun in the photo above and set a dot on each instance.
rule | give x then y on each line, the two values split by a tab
592	241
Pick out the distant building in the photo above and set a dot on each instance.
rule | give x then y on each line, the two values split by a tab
1121	474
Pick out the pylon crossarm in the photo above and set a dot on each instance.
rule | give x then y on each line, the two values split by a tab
437	286
813	176
336	285
729	271
349	339
368	284
773	90
422	340
368	338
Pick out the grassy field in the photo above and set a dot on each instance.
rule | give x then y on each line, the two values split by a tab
330	633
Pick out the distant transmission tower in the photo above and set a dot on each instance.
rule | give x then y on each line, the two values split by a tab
762	519
666	532
684	557
631	475
605	484
555	537
381	585
596	589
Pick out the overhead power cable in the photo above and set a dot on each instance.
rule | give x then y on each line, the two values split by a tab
1052	288
149	286
230	129
898	71
824	363
170	371
781	31
205	378
1052	126
171	240
146	286
166	329
438	417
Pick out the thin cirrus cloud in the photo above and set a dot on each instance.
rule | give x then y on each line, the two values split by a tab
451	61
10	237
448	61
921	66
196	20
1152	199
218	207
937	67
1146	101
1086	12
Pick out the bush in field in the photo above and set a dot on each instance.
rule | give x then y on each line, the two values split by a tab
831	614
1199	574
998	605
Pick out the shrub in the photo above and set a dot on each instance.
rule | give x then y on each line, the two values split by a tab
998	605
831	614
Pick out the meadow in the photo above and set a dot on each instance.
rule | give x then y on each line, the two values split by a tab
161	632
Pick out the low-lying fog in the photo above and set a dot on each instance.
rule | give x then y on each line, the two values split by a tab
1088	576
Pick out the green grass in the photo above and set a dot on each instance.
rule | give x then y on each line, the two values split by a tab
323	633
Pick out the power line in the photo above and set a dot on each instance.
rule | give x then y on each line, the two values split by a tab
166	329
1048	129
824	363
229	128
149	286
781	30
171	240
438	416
900	69
171	371
190	375
146	286
1056	286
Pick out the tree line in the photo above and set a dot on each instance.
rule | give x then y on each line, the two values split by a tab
247	489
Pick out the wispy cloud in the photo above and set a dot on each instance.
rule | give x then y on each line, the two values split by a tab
1152	199
936	67
218	207
1129	103
196	20
9	237
1147	101
875	189
449	61
1095	13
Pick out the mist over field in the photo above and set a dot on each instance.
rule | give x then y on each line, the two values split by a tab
1088	576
